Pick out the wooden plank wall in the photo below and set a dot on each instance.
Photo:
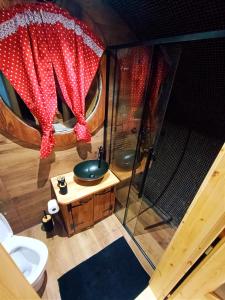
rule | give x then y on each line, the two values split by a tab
206	278
13	287
24	178
203	222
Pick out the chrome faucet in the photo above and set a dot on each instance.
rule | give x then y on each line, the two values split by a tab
100	156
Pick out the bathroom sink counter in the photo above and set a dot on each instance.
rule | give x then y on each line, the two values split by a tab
86	202
78	189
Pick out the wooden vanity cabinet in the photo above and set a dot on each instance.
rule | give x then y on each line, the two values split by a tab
82	214
88	211
85	204
104	203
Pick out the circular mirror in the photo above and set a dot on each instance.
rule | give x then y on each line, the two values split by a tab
64	120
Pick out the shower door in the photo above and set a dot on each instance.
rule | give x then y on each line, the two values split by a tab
130	72
150	228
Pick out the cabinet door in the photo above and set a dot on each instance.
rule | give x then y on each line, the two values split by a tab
103	204
82	213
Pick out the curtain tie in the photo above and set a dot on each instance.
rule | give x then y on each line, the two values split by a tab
81	129
47	142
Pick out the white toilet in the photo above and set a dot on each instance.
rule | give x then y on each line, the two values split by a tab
29	254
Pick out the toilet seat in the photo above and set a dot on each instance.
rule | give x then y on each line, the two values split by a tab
39	250
29	254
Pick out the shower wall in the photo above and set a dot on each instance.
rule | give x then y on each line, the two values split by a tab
130	73
171	161
193	129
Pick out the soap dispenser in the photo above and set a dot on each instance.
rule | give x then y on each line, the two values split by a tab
62	185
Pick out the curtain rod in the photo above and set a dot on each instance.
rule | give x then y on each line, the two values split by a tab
215	34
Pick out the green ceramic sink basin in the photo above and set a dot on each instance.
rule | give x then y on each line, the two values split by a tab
91	170
125	159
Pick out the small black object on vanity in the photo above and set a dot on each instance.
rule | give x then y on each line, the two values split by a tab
62	185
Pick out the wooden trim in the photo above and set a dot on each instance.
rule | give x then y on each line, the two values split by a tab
78	189
67	218
14	127
13	284
206	277
203	222
212	296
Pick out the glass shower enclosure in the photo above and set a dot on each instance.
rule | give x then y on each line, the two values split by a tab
163	134
140	79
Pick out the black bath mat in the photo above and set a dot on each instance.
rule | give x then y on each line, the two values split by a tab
112	274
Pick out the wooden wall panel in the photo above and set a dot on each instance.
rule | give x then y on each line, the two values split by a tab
202	223
104	20
24	178
14	287
205	278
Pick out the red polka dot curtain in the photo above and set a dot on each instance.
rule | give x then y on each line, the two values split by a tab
40	41
134	70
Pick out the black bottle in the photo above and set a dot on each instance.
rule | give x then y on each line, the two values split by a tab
63	188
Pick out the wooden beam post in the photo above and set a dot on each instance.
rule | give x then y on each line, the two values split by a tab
203	222
13	284
205	278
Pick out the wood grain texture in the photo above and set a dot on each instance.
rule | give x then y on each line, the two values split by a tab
25	179
212	296
99	15
13	285
83	215
104	203
126	175
155	240
7	3
66	253
67	218
206	277
146	294
80	189
203	222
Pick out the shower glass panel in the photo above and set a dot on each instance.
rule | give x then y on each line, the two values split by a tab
129	76
185	141
151	229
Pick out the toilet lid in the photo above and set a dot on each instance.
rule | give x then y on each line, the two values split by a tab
5	229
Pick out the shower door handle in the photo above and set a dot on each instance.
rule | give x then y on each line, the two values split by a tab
151	157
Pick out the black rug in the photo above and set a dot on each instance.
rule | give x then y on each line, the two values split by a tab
113	273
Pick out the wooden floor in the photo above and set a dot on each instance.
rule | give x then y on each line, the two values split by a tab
66	253
139	216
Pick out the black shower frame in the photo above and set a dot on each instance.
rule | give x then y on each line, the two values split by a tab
216	34
199	36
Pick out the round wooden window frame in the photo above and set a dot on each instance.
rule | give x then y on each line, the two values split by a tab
13	126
